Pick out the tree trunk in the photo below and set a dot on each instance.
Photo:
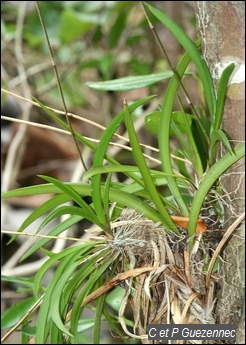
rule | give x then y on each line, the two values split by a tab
222	27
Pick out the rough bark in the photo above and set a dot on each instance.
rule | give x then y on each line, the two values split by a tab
222	30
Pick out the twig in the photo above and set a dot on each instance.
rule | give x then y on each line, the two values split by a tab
43	236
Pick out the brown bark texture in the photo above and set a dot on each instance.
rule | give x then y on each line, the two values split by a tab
222	31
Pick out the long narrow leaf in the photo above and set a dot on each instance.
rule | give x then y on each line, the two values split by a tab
61	227
98	316
44	312
188	146
71	210
130	83
222	88
100	155
148	181
85	247
124	169
164	134
40	211
106	201
195	55
76	312
57	296
124	199
72	193
210	178
85	270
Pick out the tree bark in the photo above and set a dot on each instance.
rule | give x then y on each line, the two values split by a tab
222	27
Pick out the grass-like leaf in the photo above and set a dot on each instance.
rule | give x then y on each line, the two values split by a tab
72	210
73	195
209	179
130	83
216	133
124	169
100	302
28	282
106	201
100	155
57	311
45	309
40	211
123	198
87	288
195	55
84	248
66	224
148	181
189	147
221	97
219	135
164	134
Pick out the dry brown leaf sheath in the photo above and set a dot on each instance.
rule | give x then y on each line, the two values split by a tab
183	223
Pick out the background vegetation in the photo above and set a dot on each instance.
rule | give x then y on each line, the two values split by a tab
94	42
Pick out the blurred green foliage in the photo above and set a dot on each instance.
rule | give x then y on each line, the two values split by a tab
102	39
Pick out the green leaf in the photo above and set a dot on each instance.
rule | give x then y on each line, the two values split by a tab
40	211
121	168
90	260
57	297
201	151
77	310
123	198
164	134
152	122
100	155
16	312
148	181
215	266
46	308
98	315
106	200
115	327
49	310
84	248
129	83
86	210
219	135
66	224
208	181
117	29
216	124
74	24
115	297
18	280
222	88
194	54
85	324
190	146
71	210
